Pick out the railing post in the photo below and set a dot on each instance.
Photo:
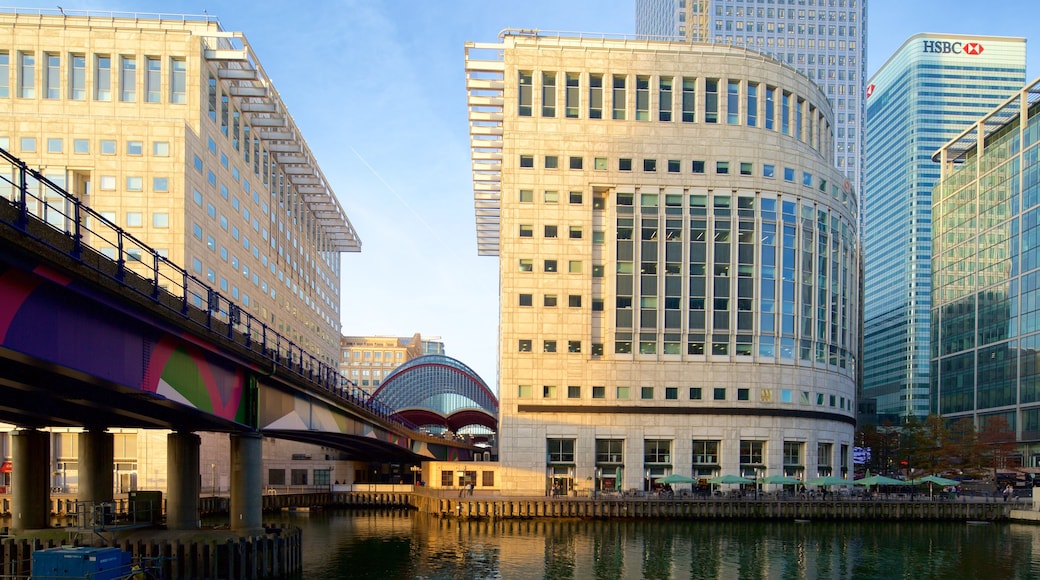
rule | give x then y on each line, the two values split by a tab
184	292
121	262
77	230
23	192
155	275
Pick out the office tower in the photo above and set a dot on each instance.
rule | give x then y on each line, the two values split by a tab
930	90
985	361
171	129
368	359
823	39
677	257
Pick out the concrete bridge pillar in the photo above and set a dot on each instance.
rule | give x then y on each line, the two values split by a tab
30	479
182	485
246	482
96	455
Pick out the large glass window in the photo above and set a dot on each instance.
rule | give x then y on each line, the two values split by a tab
26	75
5	64
152	79
525	96
560	450
572	95
102	78
548	94
711	101
664	99
128	79
642	98
689	100
52	77
610	451
733	102
752	452
595	96
78	77
178	81
618	98
752	105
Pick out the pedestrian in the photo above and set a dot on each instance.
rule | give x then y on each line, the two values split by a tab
470	488
1008	491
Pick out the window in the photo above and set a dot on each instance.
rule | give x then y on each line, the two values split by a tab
720	394
745	168
134	183
77	77
549	346
160	148
5	72
743	394
618	97
153	74
526	196
574	232
80	146
574	266
722	167
642	98
26	75
526	299
695	393
524	345
552	162
552	197
622	393
624	164
574	300
575	162
526	265
549	391
574	346
52	77
646	392
102	78
560	450
178	81
599	392
54	145
657	451
573	392
548	94
549	301
733	102
600	163
27	144
689	101
671	393
649	165
596	97
550	266
135	147
526	231
571	96
550	231
160	184
664	99
134	219
107	183
525	95
161	220
128	79
768	171
751	452
674	166
711	101
527	161
705	452
575	197
524	391
697	167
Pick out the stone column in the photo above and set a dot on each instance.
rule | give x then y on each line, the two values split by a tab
246	482
30	481
96	455
182	481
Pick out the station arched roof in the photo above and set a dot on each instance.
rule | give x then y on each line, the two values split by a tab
439	390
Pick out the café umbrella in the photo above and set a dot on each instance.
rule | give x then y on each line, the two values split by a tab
730	479
675	478
828	481
934	480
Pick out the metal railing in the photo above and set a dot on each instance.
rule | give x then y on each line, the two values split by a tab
49	215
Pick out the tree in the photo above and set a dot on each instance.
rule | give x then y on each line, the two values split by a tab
962	445
997	443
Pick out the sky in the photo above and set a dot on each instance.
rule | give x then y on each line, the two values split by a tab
377	88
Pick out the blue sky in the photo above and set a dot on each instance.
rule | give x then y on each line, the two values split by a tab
378	90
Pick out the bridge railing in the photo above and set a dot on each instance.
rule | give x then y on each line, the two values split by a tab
49	214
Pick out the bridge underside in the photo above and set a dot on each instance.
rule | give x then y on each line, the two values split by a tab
37	393
357	448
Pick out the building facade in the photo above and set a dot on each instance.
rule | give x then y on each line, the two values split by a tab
930	90
986	272
367	360
823	39
169	127
678	262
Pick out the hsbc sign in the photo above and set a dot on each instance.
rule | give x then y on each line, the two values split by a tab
948	47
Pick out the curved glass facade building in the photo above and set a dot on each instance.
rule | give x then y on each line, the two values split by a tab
678	262
439	390
932	88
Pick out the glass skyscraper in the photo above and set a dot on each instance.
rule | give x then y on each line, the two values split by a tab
930	90
823	39
986	272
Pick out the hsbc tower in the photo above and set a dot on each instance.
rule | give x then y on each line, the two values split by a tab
933	88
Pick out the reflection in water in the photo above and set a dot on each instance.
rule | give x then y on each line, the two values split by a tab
400	544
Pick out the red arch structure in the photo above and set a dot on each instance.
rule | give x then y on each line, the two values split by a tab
439	390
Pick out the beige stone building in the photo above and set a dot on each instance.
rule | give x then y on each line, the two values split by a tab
367	360
678	266
170	128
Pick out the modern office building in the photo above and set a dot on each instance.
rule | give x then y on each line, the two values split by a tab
986	272
823	39
929	91
678	262
169	126
367	360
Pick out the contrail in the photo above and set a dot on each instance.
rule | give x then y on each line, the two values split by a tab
399	198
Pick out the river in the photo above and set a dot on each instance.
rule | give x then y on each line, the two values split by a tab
406	545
